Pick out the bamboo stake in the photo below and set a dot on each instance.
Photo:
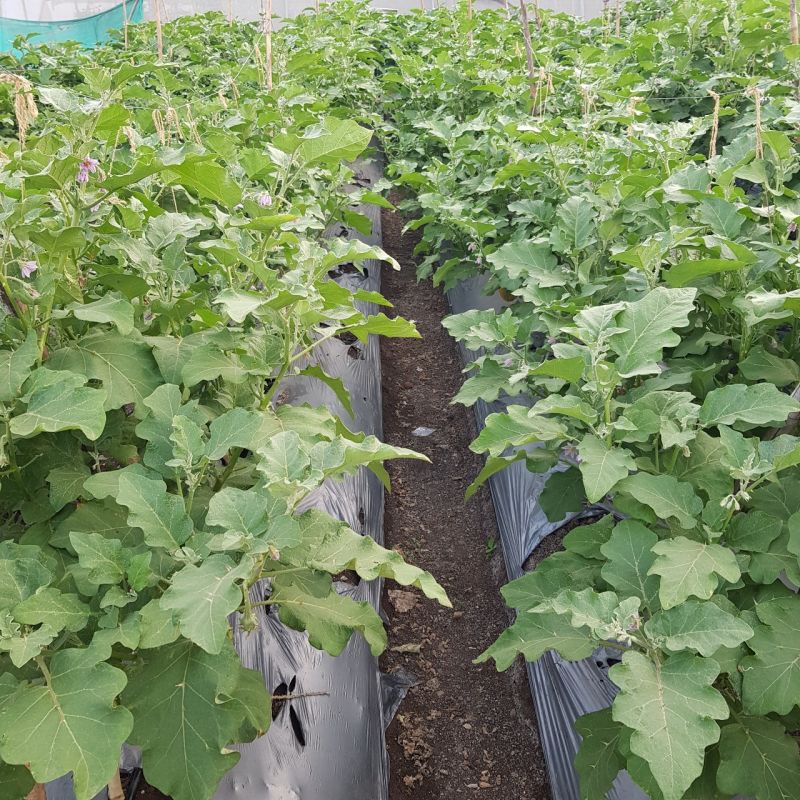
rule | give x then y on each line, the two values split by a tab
125	22
793	34
756	93
230	12
618	24
712	147
268	42
115	788
526	35
159	32
538	16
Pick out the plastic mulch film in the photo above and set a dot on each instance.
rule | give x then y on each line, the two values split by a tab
87	30
328	742
562	690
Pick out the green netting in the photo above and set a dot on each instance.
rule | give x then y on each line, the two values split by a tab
86	30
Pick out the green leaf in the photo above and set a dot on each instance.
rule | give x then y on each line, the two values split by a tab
576	222
758	759
253	513
772	675
15	366
629	556
598	760
329	620
125	366
203	596
66	484
239	428
104	559
667	496
16	782
62	406
761	365
514	428
692	269
487	384
688	568
529	261
161	516
111	308
602	467
22	572
208	180
671	709
648	325
71	724
759	404
493	465
703	627
183	724
53	608
337	140
331	546
721	216
588	540
532	635
238	305
334	384
562	494
381	325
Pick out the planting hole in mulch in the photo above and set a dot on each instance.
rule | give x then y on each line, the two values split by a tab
463	727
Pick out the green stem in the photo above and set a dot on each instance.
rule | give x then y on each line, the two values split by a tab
235	453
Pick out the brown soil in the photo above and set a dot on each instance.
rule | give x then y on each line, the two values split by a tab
464	729
147	792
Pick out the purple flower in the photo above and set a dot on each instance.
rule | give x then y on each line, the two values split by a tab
472	247
90	164
265	199
28	268
83	176
478	260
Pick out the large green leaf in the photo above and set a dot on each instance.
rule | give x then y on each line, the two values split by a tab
629	556
772	675
124	365
530	261
161	516
516	427
688	568
331	546
15	366
69	724
111	308
602	467
598	760
649	325
185	721
667	496
329	620
335	140
202	597
62	406
671	708
704	627
759	404
532	635
759	759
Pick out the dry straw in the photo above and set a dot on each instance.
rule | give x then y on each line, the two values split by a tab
25	109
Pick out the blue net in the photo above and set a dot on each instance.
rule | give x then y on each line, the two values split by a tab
88	31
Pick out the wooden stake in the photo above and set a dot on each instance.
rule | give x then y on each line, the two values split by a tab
230	12
618	25
793	35
537	14
469	17
526	35
37	793
115	788
159	32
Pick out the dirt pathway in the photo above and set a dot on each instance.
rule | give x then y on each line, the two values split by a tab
463	730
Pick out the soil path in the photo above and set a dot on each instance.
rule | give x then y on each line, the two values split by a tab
463	730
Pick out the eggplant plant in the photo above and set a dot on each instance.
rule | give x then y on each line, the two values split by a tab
165	271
